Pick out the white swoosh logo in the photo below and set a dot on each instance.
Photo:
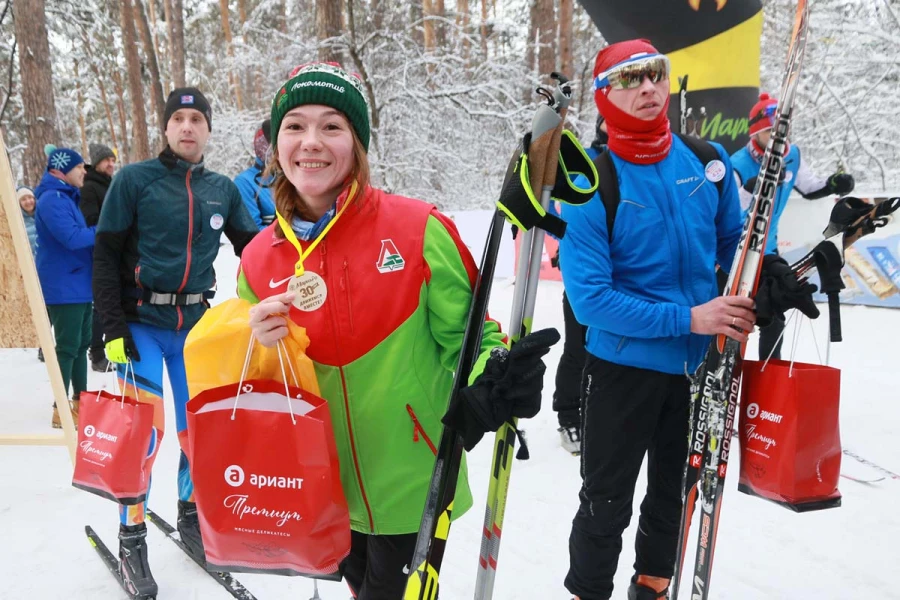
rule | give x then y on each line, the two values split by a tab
274	284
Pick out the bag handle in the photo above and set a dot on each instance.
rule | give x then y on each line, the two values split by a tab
249	388
125	385
795	338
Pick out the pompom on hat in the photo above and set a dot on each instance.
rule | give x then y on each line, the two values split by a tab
762	115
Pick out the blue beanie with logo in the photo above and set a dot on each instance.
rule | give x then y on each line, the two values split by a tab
63	159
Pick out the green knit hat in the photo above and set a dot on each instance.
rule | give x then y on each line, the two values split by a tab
326	84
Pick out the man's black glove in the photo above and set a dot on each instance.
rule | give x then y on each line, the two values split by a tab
751	183
779	291
841	184
554	260
510	386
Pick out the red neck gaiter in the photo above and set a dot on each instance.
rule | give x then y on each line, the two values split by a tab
757	151
636	140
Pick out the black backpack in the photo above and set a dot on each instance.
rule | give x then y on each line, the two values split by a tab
609	188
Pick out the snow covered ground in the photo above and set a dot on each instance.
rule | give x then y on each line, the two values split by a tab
764	551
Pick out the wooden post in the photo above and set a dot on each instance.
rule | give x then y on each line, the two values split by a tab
23	320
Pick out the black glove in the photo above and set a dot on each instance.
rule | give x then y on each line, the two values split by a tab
779	291
554	260
751	183
841	184
510	386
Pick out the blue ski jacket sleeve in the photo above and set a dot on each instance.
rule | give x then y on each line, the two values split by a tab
634	290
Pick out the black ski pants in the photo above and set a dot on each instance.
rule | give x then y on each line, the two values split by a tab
567	396
627	412
378	565
97	345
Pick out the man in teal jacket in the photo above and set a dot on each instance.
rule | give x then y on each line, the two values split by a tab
157	238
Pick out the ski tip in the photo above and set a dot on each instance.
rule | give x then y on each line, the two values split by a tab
89	531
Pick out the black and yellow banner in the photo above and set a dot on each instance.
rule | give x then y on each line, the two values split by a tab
715	42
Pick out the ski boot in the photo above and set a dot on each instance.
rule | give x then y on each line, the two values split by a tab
189	530
74	407
134	569
639	591
570	440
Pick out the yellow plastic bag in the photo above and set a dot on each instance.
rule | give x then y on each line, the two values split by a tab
216	348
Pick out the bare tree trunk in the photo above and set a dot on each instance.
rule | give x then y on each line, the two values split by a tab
160	58
547	37
135	86
252	77
484	28
328	25
415	15
532	39
79	102
229	44
37	85
96	71
364	75
440	30
119	89
566	61
428	25
175	21
377	10
282	17
159	103
462	21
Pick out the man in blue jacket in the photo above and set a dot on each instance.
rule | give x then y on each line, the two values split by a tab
796	175
64	258
254	185
647	293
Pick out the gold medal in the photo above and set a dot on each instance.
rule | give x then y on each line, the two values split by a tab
309	291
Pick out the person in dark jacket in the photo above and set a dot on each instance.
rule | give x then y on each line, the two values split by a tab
96	182
255	187
97	178
158	236
64	259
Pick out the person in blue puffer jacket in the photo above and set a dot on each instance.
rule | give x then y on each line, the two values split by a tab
646	291
254	184
64	265
27	202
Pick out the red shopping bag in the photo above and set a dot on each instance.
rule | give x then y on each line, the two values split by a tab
267	480
790	434
114	455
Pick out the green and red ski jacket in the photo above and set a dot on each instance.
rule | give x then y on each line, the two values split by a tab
385	345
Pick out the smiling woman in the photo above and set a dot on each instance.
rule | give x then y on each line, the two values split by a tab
382	284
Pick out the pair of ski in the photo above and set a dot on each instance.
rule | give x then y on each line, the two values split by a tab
715	388
535	162
231	585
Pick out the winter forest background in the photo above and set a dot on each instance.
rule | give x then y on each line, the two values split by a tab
450	83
